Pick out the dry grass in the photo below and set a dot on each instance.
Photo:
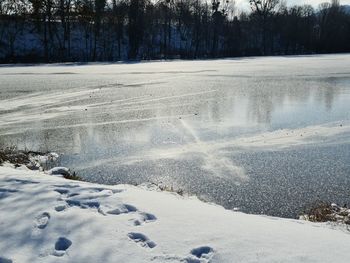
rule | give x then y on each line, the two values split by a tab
20	157
325	212
170	189
12	155
321	212
73	177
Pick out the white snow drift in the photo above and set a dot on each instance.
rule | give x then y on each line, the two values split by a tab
50	219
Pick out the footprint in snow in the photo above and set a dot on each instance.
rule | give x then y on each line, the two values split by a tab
123	209
62	191
42	220
19	181
5	192
40	223
73	194
202	254
94	193
107	192
142	240
88	198
65	192
61	246
66	185
166	258
75	199
83	204
60	208
144	218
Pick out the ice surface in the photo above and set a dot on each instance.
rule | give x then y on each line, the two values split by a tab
245	133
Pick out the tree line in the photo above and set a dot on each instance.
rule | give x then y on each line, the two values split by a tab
111	30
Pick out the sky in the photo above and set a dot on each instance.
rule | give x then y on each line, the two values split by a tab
244	4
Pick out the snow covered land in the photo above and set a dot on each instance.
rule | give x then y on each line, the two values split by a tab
50	219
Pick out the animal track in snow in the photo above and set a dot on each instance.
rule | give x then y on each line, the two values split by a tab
142	240
42	220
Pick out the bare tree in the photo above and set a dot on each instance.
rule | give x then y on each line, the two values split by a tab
13	14
119	10
110	29
264	9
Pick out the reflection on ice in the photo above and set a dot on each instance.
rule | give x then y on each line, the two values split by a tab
237	132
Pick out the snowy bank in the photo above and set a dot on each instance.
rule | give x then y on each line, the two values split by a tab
50	219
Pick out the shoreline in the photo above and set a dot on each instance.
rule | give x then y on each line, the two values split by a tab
48	163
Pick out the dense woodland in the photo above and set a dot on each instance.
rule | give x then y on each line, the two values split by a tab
112	30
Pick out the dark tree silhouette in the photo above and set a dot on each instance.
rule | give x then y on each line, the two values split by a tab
90	30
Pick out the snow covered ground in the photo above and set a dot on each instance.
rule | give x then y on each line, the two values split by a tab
50	219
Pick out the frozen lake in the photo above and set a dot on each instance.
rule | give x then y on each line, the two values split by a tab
268	135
